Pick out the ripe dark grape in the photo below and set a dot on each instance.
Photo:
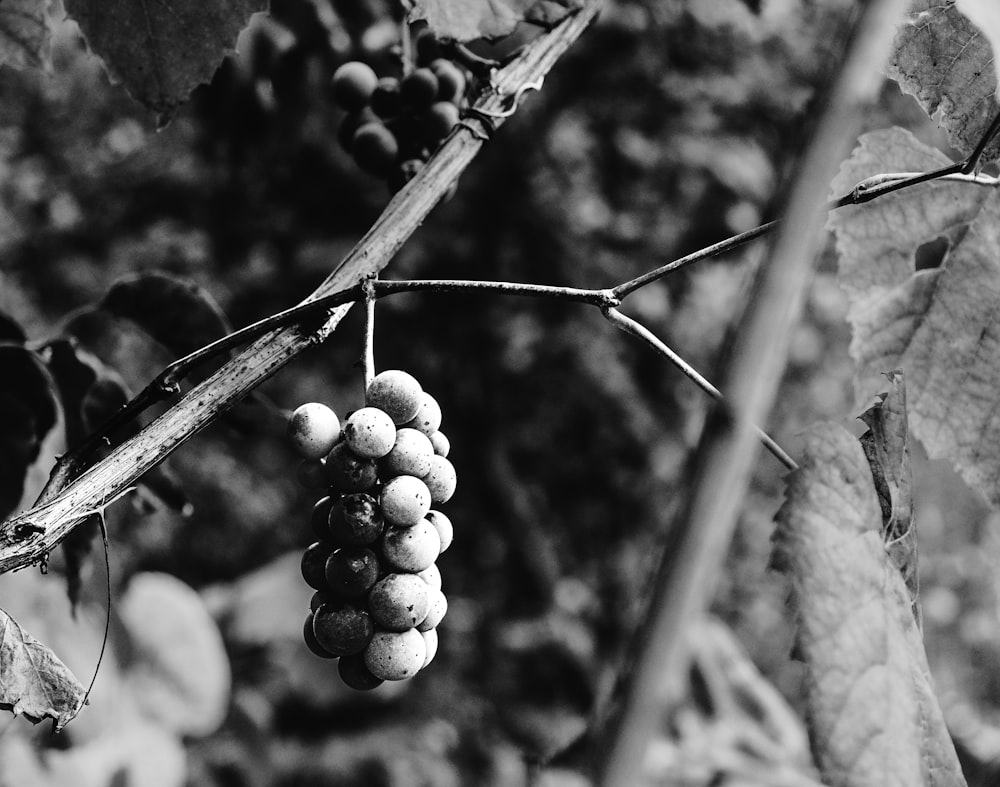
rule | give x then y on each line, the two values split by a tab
311	642
375	148
356	520
386	101
348	472
319	520
427	47
352	571
352	85
356	675
342	629
419	88
451	80
314	565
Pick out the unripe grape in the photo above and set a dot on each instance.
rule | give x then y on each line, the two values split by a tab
352	85
432	576
438	121
311	473
428	417
319	598
443	526
419	88
313	429
399	601
348	472
397	393
405	500
436	612
451	80
355	674
351	571
311	642
375	148
356	520
431	643
370	433
410	455
440	443
441	480
341	628
412	549
395	655
319	519
385	100
314	565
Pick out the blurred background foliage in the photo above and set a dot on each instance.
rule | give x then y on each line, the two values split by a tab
669	126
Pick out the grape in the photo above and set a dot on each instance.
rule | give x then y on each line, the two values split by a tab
319	598
341	628
370	433
431	643
439	120
419	88
397	393
427	47
356	520
440	443
319	520
405	500
351	571
355	674
412	549
385	100
311	473
436	612
399	601
410	455
350	124
444	527
314	565
428	417
348	472
432	576
314	429
375	148
311	642
441	480
395	655
451	80
353	84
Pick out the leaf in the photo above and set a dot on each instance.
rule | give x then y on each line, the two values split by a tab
24	33
886	446
162	51
29	414
33	681
984	14
181	674
937	325
873	717
943	60
466	20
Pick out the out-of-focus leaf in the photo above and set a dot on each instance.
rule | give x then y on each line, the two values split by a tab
466	20
887	448
180	675
163	51
33	681
24	33
29	413
943	60
873	716
10	331
937	325
985	14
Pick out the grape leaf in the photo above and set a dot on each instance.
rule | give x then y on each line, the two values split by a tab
938	325
162	51
24	33
872	713
945	62
33	681
887	448
466	20
984	14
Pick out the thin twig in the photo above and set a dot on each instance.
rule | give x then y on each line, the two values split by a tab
368	358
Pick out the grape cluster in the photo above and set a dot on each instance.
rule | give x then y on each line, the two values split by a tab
378	596
394	124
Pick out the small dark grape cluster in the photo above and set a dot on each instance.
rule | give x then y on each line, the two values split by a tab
394	124
378	596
